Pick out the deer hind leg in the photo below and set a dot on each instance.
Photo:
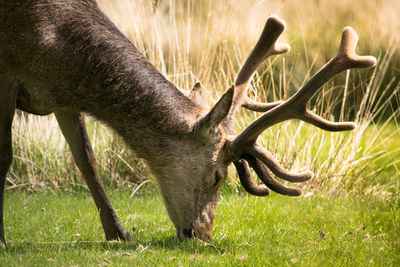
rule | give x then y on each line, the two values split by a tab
74	130
7	109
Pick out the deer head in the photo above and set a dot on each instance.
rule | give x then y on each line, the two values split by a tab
191	199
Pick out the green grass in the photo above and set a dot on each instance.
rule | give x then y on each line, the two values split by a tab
63	229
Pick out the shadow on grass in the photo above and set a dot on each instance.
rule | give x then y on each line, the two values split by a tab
190	246
22	246
158	243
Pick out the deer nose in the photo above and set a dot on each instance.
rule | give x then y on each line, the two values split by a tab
203	230
204	234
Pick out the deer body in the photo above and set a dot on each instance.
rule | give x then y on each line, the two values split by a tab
85	66
73	60
66	57
95	70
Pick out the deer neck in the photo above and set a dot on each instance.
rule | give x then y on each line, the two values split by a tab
122	88
142	106
147	110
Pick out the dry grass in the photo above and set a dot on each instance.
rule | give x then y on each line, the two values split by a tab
207	41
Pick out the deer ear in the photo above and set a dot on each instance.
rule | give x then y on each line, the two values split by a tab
196	95
218	112
197	88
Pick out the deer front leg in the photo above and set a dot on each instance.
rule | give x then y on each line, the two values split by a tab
7	109
74	130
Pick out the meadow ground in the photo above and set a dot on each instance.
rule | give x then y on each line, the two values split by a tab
64	230
351	215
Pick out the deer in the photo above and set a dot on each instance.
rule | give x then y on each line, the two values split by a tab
67	58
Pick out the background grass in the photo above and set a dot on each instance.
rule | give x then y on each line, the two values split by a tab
207	41
351	213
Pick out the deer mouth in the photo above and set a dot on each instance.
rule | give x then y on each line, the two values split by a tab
192	231
187	232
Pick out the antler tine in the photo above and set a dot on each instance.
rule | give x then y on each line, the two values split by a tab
346	58
265	47
245	179
266	177
259	106
295	107
260	153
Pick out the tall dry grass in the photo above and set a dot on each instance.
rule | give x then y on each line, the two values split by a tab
207	41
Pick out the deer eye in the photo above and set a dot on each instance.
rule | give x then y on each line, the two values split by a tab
217	178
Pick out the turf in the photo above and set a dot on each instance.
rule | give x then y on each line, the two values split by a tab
63	229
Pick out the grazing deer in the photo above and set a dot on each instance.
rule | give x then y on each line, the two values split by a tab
66	57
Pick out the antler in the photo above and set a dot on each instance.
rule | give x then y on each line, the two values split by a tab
243	146
265	47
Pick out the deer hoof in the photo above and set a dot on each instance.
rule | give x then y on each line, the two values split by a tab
119	234
3	244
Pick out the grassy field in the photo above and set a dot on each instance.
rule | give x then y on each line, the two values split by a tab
64	230
351	215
